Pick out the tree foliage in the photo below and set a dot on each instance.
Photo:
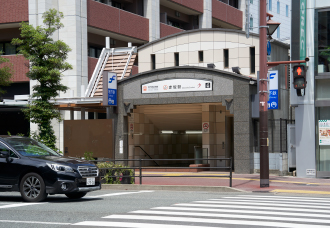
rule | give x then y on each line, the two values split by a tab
47	62
5	73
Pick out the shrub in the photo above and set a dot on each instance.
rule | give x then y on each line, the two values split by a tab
110	169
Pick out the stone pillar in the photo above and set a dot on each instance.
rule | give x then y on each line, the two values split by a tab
152	12
243	134
205	19
209	131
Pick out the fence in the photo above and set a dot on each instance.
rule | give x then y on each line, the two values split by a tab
277	135
140	167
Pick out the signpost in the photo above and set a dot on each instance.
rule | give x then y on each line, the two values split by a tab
302	43
273	90
109	88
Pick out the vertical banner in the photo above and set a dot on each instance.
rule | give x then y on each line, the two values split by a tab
324	132
109	88
273	89
302	40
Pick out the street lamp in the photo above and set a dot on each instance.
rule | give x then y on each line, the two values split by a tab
266	28
272	25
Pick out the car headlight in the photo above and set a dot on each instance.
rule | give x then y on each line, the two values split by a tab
60	168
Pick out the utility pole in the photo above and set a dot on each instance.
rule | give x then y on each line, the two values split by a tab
263	97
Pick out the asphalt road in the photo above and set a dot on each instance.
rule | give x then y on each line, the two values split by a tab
170	209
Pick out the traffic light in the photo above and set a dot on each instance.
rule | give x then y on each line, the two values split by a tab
299	77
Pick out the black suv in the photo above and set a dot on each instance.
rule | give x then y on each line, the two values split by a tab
35	171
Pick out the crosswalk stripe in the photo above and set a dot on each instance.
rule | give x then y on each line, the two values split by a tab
295	202
235	216
252	202
252	207
213	221
135	225
289	197
240	211
277	199
19	205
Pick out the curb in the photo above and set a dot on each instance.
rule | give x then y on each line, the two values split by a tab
170	188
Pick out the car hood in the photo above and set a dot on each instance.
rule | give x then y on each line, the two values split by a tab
62	160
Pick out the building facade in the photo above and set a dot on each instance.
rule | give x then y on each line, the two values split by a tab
311	39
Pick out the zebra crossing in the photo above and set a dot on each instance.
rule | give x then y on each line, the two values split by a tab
227	211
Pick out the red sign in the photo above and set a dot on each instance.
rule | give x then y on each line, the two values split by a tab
205	126
131	127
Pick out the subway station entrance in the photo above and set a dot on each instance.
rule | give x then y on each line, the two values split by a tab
181	131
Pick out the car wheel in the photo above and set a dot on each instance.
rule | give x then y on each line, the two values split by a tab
33	188
76	195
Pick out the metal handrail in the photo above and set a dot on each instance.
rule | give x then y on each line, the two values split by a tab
140	176
147	154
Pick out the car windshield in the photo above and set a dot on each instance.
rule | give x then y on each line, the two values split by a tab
30	147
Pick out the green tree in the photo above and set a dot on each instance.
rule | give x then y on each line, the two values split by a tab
5	73
47	62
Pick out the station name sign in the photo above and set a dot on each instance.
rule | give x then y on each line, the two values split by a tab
177	85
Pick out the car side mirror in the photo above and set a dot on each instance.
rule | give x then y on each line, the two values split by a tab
5	154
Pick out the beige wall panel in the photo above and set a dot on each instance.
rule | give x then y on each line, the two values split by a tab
233	53
207	36
160	59
209	56
206	139
243	40
169	64
169	58
220	117
218	55
219	36
244	63
144	67
220	138
232	37
233	63
244	52
205	117
146	51
246	71
194	37
160	65
158	47
170	42
193	57
183	58
182	39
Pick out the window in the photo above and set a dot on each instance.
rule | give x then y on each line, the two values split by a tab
94	52
176	59
270	5
278	7
153	62
201	56
251	1
287	10
117	5
323	42
278	32
252	60
11	153
226	58
251	23
6	48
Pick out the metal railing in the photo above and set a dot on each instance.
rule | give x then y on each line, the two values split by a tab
141	168
146	153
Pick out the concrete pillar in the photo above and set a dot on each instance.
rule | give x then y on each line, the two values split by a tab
96	115
205	19
152	12
82	114
71	114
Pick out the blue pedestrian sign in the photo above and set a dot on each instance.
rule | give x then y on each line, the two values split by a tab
273	90
269	48
112	89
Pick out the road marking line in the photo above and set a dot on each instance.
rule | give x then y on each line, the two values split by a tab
295	202
213	221
252	207
19	205
35	222
116	194
233	216
301	191
132	224
252	202
242	211
290	197
317	200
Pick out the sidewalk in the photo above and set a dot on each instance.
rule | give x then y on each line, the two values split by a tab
214	182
